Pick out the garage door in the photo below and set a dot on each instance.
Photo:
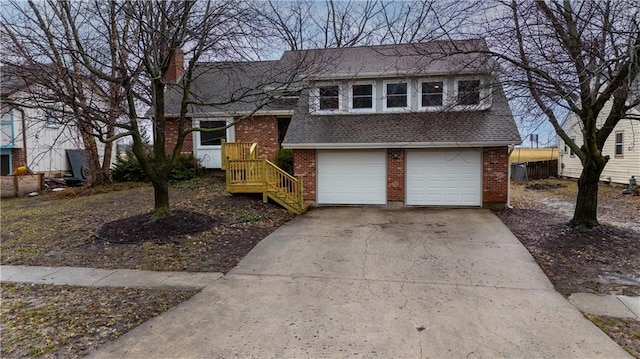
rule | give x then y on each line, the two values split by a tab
444	177
351	177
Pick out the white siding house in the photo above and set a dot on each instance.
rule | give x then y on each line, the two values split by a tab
34	133
32	136
622	146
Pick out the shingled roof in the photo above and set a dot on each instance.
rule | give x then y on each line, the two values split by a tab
435	58
493	126
232	88
12	79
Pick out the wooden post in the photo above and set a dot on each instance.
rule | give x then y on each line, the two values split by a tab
16	190
300	192
223	154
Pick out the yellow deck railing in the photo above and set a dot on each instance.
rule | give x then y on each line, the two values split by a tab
247	174
238	151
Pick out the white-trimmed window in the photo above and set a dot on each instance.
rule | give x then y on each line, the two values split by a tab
619	144
469	92
571	154
432	94
397	95
329	98
362	96
212	138
50	119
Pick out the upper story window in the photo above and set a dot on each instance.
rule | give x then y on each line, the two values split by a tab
469	92
50	119
619	144
329	97
571	154
362	96
431	94
396	96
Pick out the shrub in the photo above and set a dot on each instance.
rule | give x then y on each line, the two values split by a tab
284	160
187	168
127	168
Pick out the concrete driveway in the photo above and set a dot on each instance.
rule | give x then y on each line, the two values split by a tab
376	283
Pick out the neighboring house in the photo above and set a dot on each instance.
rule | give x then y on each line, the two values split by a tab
416	124
31	135
622	147
521	155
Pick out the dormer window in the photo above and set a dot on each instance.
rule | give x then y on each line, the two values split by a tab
432	94
396	96
469	92
329	98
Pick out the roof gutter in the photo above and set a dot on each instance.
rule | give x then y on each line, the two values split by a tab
345	146
361	75
234	114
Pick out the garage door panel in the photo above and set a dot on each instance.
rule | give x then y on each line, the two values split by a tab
444	177
351	177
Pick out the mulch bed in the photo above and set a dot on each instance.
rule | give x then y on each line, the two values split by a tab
600	260
143	228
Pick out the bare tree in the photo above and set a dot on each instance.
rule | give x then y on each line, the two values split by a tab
311	24
129	48
35	52
572	57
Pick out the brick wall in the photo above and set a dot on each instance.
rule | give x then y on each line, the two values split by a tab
395	174
171	137
495	181
304	164
17	158
264	129
176	67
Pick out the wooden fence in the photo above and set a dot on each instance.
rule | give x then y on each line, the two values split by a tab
14	186
521	172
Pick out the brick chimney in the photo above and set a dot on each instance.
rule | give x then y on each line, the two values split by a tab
176	67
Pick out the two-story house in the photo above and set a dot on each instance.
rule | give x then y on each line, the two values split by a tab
416	124
33	135
622	147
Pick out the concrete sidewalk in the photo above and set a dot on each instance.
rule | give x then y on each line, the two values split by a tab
376	283
617	306
107	277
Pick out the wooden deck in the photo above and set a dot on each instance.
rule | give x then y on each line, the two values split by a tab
246	173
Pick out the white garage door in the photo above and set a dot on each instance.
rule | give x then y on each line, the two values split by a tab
444	177
352	177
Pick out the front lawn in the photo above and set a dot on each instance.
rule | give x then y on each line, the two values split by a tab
603	260
66	228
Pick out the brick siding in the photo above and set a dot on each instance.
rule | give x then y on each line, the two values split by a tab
304	164
171	137
264	129
17	158
495	181
395	174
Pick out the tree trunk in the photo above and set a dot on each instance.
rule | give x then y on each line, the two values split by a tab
161	198
585	214
93	159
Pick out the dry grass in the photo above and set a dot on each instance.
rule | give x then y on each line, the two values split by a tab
67	322
59	229
626	332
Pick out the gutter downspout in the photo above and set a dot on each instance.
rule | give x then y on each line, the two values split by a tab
511	149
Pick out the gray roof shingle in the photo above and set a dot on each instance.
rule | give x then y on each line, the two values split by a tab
241	87
232	87
435	58
419	129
